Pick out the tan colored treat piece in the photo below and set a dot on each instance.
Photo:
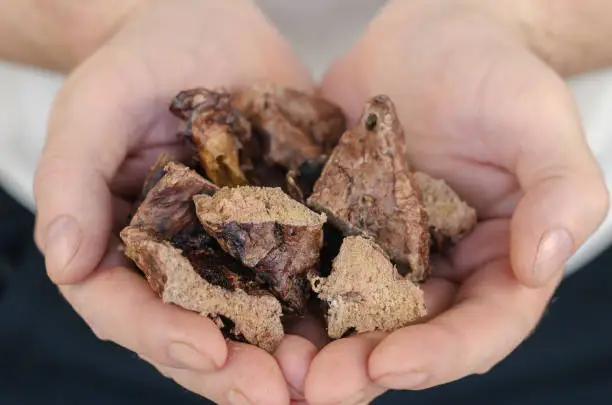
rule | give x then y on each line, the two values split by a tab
256	318
450	218
367	187
218	131
268	231
168	207
296	126
365	292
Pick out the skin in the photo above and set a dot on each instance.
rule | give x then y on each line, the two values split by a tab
484	97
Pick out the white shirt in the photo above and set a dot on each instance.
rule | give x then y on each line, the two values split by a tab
26	95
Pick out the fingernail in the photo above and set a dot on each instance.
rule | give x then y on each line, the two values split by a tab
62	239
235	397
402	381
188	357
556	247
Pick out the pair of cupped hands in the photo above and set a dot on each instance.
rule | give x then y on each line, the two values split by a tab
479	109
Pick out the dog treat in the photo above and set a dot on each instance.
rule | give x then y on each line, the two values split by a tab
365	292
168	207
293	126
269	232
208	284
367	188
218	132
241	236
450	218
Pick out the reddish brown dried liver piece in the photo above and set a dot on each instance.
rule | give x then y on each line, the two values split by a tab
364	292
294	126
218	131
168	206
269	232
367	187
191	283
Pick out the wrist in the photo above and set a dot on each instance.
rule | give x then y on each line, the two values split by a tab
90	25
61	33
570	36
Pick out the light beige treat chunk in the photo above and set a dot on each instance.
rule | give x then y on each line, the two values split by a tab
450	218
365	292
256	316
255	205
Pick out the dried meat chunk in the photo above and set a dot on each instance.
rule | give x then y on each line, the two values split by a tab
168	206
269	232
367	188
218	132
209	282
292	126
450	218
364	291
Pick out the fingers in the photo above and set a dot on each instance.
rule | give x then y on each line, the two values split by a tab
294	356
339	373
488	242
118	305
565	199
86	143
250	377
493	314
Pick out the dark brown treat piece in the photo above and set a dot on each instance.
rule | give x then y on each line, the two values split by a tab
218	131
156	172
364	292
294	126
256	317
450	218
367	188
269	232
168	206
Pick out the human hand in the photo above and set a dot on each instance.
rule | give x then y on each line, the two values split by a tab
483	112
108	125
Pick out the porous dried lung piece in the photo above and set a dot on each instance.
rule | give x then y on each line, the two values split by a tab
269	232
209	282
367	188
168	206
218	131
365	292
450	218
292	126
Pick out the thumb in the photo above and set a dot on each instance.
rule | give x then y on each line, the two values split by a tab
83	151
565	199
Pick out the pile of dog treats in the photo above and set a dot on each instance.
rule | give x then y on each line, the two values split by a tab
284	212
